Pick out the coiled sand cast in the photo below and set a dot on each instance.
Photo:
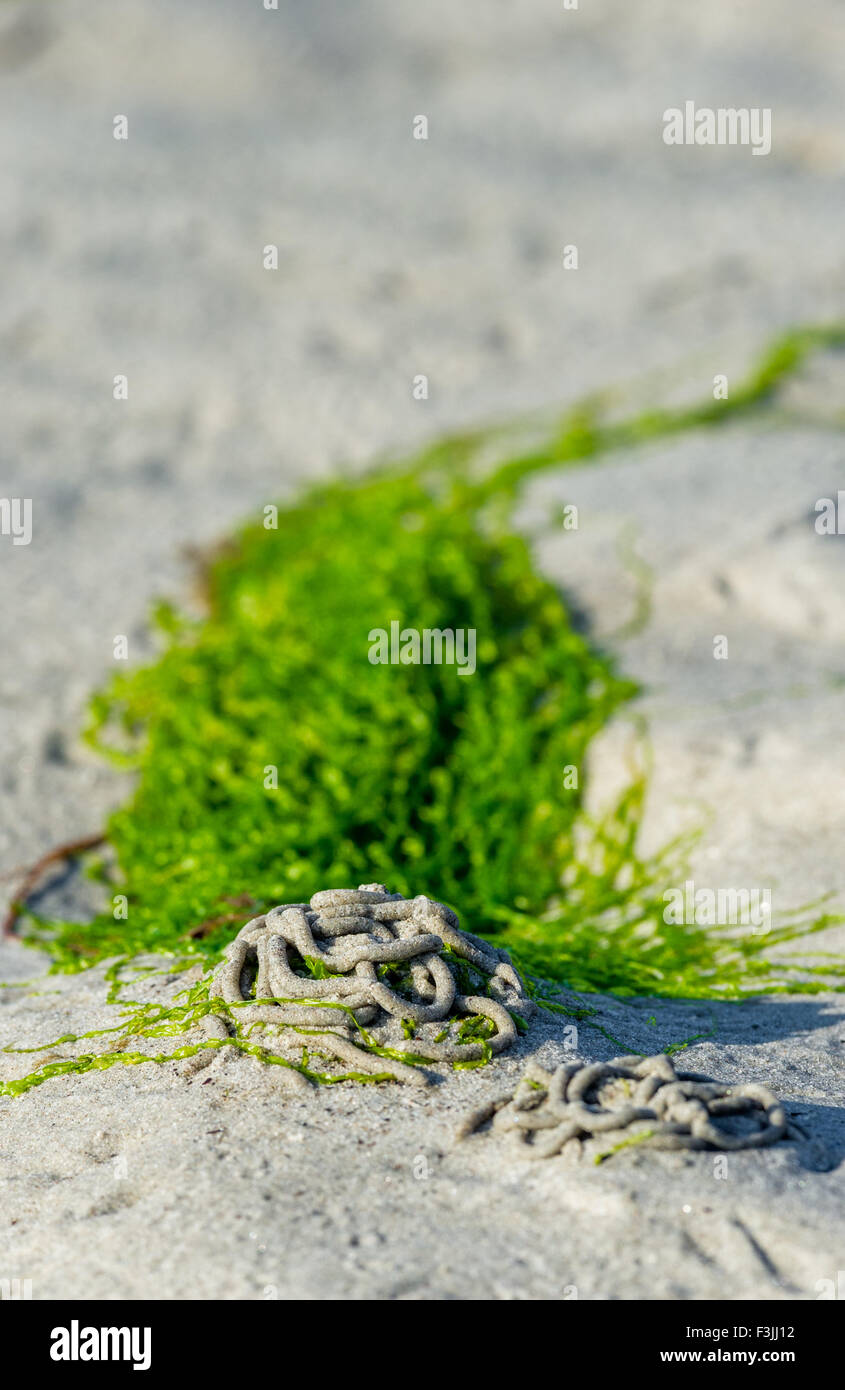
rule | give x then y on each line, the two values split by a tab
631	1100
365	959
382	984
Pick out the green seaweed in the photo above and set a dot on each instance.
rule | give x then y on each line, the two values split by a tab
272	759
630	1142
145	1020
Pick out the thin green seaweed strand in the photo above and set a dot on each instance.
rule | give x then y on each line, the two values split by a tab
458	777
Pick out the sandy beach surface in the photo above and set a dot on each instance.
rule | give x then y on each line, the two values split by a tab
143	257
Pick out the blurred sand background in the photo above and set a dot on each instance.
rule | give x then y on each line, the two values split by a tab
294	127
